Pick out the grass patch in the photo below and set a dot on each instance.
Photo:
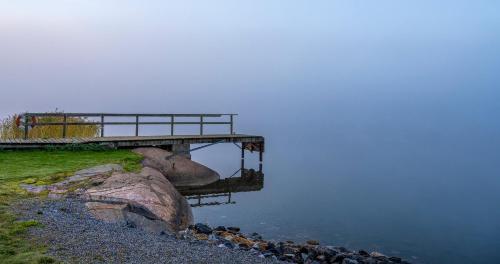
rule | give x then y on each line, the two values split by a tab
42	167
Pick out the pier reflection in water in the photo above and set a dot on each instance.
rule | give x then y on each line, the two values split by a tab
219	192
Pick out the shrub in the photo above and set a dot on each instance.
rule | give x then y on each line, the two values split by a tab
10	130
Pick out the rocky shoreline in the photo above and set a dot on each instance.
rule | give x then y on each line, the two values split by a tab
148	202
288	251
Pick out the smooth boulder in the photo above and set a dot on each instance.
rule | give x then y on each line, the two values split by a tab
180	171
146	199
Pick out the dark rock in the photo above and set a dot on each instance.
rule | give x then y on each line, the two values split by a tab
329	252
342	249
364	253
220	228
244	246
233	229
395	259
131	225
349	261
313	242
255	236
338	259
202	228
228	244
267	254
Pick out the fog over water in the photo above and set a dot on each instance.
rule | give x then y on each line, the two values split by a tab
381	118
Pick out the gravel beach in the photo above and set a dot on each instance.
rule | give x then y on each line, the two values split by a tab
74	236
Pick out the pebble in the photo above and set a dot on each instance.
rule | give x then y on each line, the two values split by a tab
74	236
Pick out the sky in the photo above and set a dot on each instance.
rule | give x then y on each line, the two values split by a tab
226	56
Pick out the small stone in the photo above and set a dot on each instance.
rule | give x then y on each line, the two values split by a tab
233	229
255	236
364	253
244	246
220	228
241	240
313	242
39	212
395	259
228	244
342	249
200	236
266	255
320	257
202	228
349	261
375	254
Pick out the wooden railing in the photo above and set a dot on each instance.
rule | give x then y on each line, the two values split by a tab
31	120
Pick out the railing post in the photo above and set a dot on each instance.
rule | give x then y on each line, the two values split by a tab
172	125
136	125
102	125
26	126
201	125
231	126
65	118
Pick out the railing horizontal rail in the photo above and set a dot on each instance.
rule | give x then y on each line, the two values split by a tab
122	115
125	123
30	120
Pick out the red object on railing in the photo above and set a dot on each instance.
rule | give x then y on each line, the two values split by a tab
18	121
33	121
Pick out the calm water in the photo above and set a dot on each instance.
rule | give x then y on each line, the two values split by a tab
417	180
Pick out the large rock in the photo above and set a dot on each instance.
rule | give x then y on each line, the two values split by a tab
180	171
95	175
146	199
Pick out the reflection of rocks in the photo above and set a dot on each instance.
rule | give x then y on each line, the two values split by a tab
151	201
180	171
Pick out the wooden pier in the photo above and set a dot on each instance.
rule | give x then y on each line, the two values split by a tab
172	141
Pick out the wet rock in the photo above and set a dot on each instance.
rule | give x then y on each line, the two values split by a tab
202	228
395	259
255	236
241	240
313	242
233	229
180	171
349	261
378	256
364	253
220	228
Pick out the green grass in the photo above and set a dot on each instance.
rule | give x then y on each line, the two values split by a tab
41	167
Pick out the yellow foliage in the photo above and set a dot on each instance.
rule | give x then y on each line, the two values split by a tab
9	129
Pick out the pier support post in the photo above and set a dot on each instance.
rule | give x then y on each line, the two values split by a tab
242	156
182	150
261	157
